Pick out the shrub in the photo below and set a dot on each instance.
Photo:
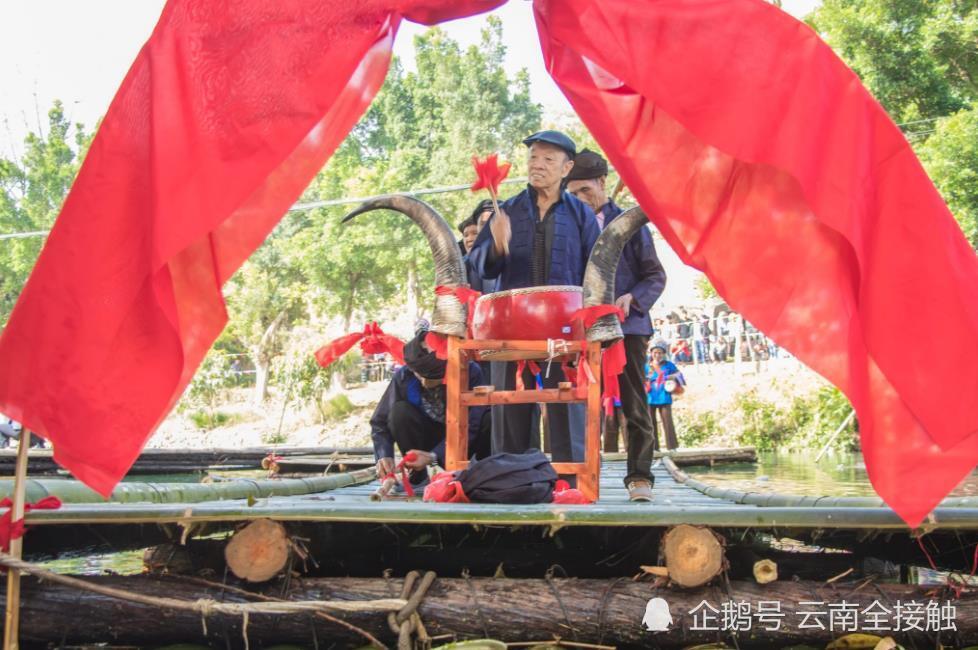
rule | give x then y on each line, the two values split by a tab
338	407
207	419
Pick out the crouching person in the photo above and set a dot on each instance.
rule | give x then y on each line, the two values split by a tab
411	414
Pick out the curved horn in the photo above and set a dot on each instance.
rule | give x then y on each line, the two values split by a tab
449	315
599	276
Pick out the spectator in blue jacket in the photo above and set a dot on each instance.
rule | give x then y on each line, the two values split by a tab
470	229
411	414
664	378
639	281
541	236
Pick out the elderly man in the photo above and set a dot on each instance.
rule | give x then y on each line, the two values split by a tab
639	282
541	236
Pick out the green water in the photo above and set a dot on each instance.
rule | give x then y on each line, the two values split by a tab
798	473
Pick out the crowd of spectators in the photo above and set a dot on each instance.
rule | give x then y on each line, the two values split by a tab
708	336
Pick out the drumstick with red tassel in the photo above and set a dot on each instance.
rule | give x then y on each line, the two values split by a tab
489	174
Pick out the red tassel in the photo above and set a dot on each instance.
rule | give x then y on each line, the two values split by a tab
489	173
612	365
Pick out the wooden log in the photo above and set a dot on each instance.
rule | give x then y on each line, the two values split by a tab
258	551
584	611
693	554
765	571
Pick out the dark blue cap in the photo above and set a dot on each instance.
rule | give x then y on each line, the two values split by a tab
555	138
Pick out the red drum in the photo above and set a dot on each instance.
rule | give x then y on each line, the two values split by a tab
529	314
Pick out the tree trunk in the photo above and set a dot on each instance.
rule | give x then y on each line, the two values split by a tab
262	357
261	380
583	611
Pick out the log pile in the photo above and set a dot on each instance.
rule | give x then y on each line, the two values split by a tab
585	611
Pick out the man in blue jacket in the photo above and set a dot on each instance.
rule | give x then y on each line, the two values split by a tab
412	414
541	236
639	281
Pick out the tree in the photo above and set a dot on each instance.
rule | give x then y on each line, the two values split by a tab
918	58
420	131
31	193
951	159
264	297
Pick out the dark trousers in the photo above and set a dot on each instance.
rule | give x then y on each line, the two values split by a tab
516	427
668	428
640	440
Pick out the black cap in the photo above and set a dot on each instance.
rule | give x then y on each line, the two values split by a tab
421	360
556	138
588	164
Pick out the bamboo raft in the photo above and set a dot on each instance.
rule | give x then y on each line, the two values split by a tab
677	499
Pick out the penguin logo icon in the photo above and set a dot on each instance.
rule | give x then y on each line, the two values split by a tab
657	617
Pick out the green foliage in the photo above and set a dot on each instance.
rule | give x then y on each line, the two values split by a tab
951	159
207	419
832	409
696	429
918	58
420	131
705	288
339	407
31	193
213	377
277	438
766	427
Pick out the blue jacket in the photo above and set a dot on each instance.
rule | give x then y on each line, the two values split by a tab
405	386
639	273
575	231
476	281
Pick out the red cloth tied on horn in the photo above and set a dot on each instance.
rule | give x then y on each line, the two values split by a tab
372	340
782	178
612	357
9	529
466	296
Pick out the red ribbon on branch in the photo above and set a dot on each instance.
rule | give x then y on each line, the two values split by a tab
372	340
10	529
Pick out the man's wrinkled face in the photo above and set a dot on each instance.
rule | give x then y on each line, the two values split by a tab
591	191
548	165
469	235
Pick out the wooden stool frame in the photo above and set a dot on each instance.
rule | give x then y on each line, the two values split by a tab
460	398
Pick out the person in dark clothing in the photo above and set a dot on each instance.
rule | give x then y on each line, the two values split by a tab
541	236
470	229
411	414
639	281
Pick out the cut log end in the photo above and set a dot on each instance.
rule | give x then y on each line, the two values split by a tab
765	571
259	551
693	555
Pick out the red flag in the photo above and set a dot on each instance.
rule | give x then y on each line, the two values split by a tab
777	174
489	174
225	116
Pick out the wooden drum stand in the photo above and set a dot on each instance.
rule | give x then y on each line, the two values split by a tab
460	398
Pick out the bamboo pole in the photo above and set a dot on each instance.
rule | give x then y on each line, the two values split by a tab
11	628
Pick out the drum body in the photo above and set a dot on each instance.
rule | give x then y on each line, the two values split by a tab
528	314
